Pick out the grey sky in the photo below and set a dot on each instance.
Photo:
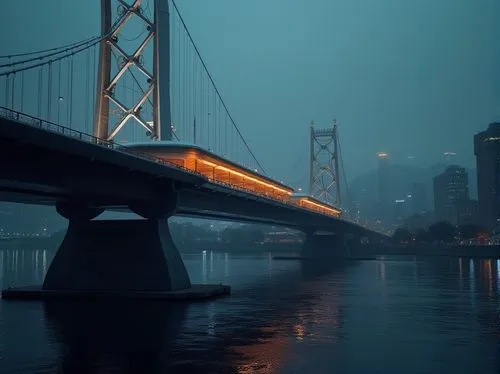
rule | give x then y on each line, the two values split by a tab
407	77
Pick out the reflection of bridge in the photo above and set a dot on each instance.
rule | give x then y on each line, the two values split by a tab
46	92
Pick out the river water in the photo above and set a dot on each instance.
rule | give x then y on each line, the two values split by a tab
393	315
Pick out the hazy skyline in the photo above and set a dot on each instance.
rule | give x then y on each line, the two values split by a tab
409	78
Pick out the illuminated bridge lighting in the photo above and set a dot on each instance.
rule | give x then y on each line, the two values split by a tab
310	203
219	170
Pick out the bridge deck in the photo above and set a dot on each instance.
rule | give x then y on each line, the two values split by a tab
54	163
180	163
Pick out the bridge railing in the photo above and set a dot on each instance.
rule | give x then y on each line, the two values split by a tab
50	126
69	132
66	131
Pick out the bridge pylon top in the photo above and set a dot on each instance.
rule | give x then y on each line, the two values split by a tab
152	109
324	180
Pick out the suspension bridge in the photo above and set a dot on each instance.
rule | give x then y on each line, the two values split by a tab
124	121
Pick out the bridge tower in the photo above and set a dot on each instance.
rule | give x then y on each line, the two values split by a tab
156	88
324	181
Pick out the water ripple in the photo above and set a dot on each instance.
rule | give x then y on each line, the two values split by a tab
388	316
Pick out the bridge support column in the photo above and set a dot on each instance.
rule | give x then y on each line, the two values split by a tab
325	245
117	256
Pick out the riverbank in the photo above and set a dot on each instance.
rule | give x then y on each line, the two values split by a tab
475	251
28	243
53	242
232	248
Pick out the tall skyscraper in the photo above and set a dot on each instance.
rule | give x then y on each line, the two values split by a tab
487	151
384	200
451	190
399	213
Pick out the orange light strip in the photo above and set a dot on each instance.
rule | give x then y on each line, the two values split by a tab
199	154
234	171
333	211
306	200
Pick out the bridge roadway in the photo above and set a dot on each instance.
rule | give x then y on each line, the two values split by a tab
48	164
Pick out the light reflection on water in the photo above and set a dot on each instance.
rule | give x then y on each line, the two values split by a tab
393	315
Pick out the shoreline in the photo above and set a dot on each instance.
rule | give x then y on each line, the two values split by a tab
476	251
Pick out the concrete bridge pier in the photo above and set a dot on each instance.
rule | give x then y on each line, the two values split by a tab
119	258
326	245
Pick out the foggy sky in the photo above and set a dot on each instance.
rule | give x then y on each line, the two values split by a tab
406	77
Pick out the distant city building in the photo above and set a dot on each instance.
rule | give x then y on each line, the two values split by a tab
451	189
419	221
383	186
399	212
467	212
418	198
364	205
487	151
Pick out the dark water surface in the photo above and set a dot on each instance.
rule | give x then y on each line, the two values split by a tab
394	315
